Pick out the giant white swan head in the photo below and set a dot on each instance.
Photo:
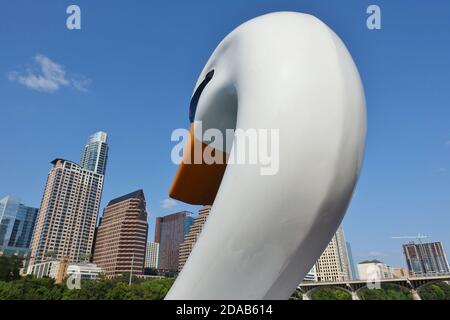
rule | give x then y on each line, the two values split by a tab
288	72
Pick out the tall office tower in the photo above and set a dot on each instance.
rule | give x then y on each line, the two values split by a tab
122	236
95	154
169	233
426	258
152	255
16	226
191	237
333	264
65	225
354	272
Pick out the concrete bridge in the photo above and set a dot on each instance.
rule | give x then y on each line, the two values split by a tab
413	284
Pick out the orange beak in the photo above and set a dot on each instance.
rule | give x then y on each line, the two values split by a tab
196	181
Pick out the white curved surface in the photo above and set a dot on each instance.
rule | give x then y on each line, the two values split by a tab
286	71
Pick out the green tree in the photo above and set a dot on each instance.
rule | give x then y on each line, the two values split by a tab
297	295
435	291
386	292
152	289
30	288
89	290
9	268
121	291
330	294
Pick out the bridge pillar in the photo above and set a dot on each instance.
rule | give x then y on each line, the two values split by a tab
355	296
305	296
415	295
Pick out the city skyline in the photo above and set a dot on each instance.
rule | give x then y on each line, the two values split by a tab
125	217
96	150
405	175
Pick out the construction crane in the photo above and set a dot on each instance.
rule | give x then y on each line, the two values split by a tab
418	237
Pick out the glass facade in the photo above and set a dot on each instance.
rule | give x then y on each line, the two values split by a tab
95	153
16	224
354	272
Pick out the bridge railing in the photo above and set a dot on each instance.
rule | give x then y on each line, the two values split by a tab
445	276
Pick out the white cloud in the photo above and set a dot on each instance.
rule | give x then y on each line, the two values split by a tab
168	203
48	76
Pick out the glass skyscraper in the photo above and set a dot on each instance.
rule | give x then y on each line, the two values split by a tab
16	225
95	153
354	275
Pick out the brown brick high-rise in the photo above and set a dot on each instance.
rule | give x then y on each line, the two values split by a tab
122	236
169	233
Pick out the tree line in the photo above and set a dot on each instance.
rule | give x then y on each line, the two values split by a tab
32	288
16	287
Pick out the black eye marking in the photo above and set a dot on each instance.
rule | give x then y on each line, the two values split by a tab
197	94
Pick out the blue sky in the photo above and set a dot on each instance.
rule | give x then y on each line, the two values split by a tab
131	70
